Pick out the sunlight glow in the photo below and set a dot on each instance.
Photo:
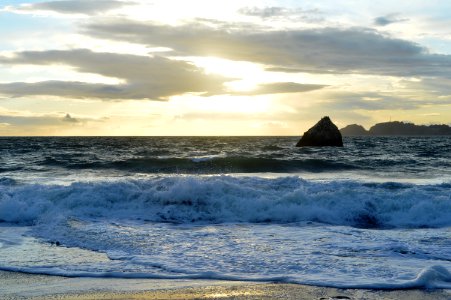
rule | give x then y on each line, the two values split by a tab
226	67
221	104
326	63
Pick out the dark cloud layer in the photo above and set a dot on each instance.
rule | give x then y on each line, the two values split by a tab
327	50
323	51
88	7
145	77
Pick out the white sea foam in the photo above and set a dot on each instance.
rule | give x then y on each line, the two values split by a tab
113	212
223	199
235	228
435	277
205	158
316	255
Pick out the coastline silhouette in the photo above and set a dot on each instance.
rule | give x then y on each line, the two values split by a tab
396	128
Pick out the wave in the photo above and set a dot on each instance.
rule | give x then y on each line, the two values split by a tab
433	277
226	199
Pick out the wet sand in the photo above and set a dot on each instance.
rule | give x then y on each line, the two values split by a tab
26	286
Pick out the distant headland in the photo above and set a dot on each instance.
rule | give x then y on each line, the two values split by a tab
396	128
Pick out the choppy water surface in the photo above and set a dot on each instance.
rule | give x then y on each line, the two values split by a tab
376	213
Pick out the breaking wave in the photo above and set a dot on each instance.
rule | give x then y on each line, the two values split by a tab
226	199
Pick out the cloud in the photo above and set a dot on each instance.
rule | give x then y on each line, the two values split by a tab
44	120
264	12
146	77
77	90
373	101
281	88
31	124
324	50
367	101
86	7
283	14
388	19
433	87
13	120
276	11
70	119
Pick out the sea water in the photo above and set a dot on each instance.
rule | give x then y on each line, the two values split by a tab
375	213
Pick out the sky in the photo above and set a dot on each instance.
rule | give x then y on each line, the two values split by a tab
206	67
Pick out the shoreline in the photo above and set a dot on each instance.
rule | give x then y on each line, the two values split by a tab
15	285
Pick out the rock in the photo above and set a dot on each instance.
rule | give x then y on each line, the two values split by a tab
324	133
354	130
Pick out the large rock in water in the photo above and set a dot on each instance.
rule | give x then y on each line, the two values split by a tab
324	133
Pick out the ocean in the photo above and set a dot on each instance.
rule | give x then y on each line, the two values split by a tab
373	214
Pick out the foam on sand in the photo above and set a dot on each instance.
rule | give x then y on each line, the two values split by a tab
16	285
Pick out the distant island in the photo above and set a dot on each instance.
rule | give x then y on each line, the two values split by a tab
395	128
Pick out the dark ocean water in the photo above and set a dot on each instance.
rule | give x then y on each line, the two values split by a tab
375	213
422	157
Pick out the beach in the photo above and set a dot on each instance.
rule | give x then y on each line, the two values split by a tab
15	285
225	149
159	217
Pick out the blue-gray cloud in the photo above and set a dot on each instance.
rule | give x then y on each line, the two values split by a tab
87	7
269	12
437	88
326	50
388	19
